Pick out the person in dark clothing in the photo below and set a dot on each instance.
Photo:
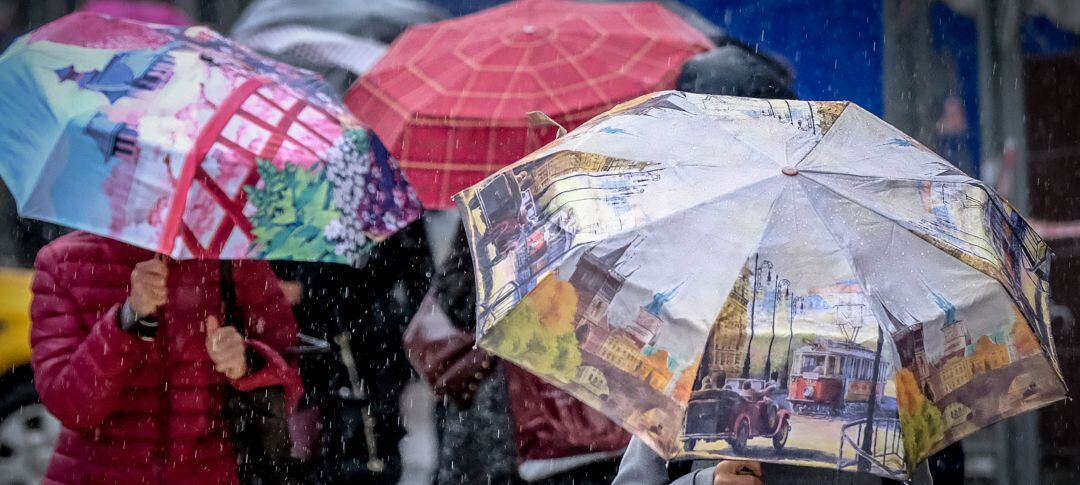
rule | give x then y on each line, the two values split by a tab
370	307
735	69
477	439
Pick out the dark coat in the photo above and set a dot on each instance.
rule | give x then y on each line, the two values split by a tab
476	440
373	305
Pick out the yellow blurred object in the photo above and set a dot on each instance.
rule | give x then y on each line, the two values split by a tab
14	318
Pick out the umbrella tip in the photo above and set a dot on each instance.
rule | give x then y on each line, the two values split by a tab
538	118
790	171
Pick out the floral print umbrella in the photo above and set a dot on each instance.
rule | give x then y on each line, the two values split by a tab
786	281
180	141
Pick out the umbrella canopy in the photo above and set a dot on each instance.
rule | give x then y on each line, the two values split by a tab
337	56
785	281
450	99
177	140
381	20
688	14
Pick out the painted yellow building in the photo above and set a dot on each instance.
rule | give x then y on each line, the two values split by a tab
955	374
988	355
685	384
1024	341
565	163
729	329
620	351
654	370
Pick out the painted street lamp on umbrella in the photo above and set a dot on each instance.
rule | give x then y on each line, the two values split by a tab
780	283
796	304
758	268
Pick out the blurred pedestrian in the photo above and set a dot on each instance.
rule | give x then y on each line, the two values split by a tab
370	307
480	441
131	354
953	138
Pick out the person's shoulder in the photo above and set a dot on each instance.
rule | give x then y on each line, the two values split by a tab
83	247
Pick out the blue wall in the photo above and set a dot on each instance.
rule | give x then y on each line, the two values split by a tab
833	47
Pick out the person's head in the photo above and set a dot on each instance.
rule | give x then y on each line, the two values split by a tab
746	385
735	69
774	376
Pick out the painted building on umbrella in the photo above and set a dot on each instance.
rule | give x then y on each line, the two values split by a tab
113	138
597	279
655	370
619	350
594	380
963	359
646	325
126	74
726	342
547	170
989	352
954	374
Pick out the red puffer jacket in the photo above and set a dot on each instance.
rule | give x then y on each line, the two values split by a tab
138	412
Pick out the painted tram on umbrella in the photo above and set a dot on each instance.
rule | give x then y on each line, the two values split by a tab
835	376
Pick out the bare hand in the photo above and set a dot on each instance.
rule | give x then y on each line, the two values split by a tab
293	291
148	288
734	472
226	348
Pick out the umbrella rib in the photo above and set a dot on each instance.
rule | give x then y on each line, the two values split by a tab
899	223
1000	279
711	200
938	178
847	252
1007	288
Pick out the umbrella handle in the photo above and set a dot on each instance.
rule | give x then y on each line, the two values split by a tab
374	464
538	118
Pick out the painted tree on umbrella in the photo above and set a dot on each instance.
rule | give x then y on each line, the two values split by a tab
786	281
180	141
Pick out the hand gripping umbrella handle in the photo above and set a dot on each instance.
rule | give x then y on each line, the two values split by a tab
374	464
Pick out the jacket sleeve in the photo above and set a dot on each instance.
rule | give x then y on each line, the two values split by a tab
703	476
80	366
270	328
642	466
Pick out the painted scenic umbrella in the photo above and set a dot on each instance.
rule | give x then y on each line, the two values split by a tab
180	141
786	281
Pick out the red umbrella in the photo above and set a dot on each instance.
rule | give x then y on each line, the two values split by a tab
450	98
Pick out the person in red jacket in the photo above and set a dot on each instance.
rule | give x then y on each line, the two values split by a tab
128	353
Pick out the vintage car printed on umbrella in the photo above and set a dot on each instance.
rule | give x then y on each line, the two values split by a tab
178	140
785	281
